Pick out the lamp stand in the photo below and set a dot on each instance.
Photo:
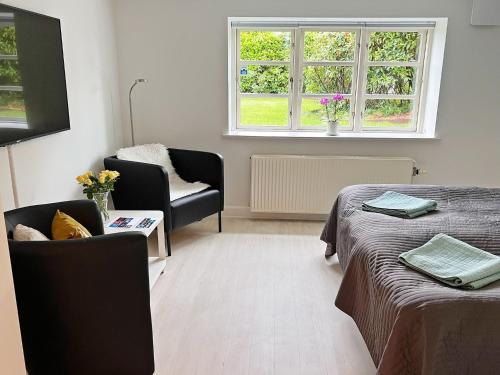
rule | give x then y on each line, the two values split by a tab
136	82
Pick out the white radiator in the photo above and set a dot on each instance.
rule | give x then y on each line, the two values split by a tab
310	184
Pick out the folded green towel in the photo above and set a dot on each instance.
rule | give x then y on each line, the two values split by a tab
454	262
401	205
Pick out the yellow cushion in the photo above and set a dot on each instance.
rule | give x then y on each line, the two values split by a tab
64	227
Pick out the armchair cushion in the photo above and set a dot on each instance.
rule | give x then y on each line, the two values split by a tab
194	207
24	233
64	227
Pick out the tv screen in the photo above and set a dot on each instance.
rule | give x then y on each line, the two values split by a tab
33	98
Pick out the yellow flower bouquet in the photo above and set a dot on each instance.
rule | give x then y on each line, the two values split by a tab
97	187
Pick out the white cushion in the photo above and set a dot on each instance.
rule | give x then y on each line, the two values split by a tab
23	233
158	154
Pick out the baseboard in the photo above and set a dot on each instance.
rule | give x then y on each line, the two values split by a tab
243	212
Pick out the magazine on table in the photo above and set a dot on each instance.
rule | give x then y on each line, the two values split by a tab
132	222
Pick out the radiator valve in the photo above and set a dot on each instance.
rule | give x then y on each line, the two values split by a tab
418	171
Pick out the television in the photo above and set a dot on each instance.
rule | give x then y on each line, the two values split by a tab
33	97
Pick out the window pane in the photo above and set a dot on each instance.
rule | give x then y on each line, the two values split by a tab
12	105
8	37
313	113
394	46
327	79
399	80
388	113
264	111
9	73
265	45
264	79
329	46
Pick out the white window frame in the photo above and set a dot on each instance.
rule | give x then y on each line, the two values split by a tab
424	110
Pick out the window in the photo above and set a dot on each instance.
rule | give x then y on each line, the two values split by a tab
279	71
265	78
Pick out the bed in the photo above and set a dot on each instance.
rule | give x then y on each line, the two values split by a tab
411	323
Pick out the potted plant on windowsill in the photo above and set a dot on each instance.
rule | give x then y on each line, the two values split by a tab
332	109
98	188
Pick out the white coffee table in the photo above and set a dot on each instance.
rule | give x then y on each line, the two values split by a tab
155	234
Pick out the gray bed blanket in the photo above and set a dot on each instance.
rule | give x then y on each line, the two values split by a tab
411	323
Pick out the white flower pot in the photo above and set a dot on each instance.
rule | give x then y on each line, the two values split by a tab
332	128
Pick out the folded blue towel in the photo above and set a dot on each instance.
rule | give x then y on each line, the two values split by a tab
400	205
454	262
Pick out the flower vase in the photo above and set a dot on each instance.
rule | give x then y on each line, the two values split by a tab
332	128
101	199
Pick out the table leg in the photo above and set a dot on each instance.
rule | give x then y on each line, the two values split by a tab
161	240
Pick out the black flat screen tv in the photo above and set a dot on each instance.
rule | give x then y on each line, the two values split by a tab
33	97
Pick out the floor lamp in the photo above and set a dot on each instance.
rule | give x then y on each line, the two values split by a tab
136	82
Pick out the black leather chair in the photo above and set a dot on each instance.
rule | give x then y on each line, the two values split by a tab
144	186
83	304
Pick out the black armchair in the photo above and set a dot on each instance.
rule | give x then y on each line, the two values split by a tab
144	186
83	304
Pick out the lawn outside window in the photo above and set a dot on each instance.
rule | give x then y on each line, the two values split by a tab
387	70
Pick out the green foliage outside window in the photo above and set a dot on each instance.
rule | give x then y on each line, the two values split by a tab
265	45
329	46
264	79
393	46
8	40
323	79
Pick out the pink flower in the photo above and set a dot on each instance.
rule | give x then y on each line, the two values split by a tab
324	101
338	97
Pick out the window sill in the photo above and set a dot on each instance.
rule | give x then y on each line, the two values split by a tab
322	135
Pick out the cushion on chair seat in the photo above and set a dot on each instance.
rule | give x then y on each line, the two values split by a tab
194	207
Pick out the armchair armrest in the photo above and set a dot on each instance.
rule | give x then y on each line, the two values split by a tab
91	298
207	167
141	186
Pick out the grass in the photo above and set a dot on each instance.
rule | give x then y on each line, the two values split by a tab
12	113
264	111
274	112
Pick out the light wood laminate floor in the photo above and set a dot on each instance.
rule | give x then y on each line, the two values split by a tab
255	299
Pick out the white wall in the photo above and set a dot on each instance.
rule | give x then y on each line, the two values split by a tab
181	46
5	181
11	349
46	167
